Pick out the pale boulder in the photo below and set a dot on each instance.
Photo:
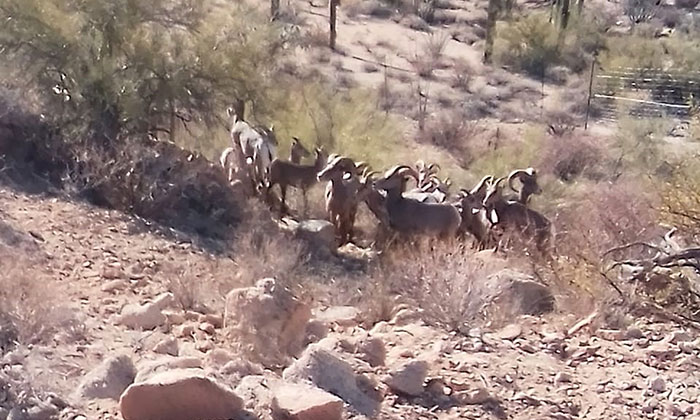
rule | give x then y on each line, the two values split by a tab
304	402
182	394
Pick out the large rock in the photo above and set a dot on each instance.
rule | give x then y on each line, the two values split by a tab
269	318
326	370
408	378
108	380
148	316
304	402
150	368
318	232
183	394
518	293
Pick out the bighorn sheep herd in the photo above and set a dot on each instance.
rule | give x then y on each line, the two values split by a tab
487	214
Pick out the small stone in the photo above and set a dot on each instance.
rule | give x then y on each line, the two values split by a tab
657	384
409	378
114	286
473	397
111	273
686	347
562	377
510	332
192	315
527	347
174	318
207	328
184	331
346	316
650	406
680	336
304	402
204	346
108	380
633	333
167	346
216	320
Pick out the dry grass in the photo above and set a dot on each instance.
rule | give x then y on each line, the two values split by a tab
30	312
441	280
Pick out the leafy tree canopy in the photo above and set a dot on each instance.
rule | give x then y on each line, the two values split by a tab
133	66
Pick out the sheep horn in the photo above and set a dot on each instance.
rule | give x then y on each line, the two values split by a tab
432	167
391	172
407	170
515	174
481	184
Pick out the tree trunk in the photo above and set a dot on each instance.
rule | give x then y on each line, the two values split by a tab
274	9
564	14
490	30
580	6
333	20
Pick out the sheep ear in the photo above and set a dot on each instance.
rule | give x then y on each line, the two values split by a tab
494	217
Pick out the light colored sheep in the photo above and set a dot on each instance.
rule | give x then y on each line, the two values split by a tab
256	146
341	195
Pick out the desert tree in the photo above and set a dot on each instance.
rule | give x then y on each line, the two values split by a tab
492	16
127	66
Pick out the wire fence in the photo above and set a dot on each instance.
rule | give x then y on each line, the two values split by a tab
644	93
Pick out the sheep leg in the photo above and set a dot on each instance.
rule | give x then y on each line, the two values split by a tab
283	197
306	202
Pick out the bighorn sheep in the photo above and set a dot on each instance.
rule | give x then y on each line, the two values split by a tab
297	151
512	215
433	190
425	172
474	218
257	148
528	179
480	190
288	174
341	195
412	217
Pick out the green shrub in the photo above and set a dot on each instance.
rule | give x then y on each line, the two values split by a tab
532	44
137	67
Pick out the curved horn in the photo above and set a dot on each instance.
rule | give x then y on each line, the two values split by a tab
420	164
482	184
515	174
408	171
392	171
432	167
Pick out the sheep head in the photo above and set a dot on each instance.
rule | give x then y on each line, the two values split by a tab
528	177
396	177
493	197
297	149
335	166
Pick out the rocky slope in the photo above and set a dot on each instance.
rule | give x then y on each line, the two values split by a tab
111	339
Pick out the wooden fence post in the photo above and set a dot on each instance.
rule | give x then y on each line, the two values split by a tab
333	16
590	92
